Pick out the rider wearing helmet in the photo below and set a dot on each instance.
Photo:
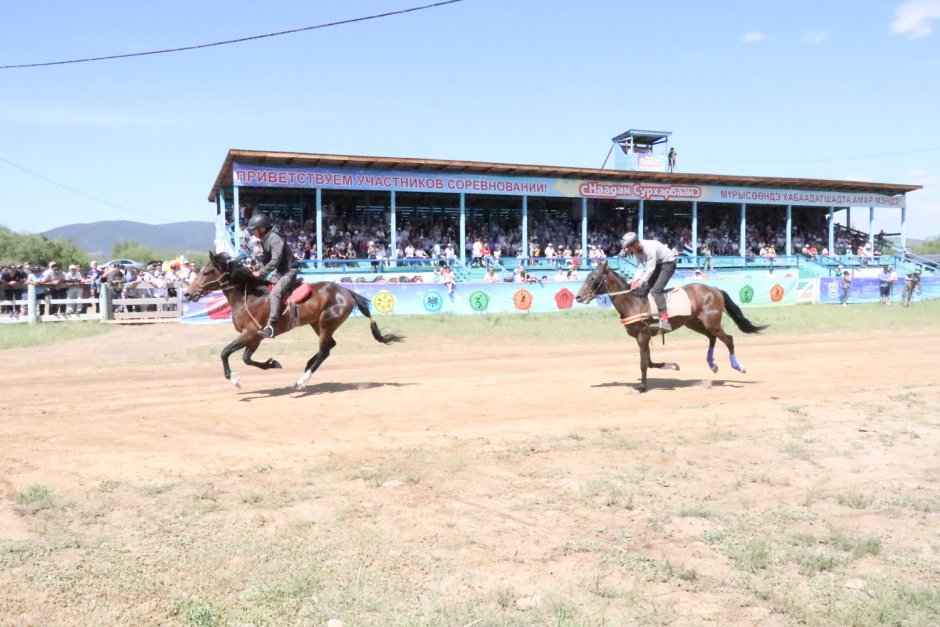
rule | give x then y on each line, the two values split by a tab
655	265
278	267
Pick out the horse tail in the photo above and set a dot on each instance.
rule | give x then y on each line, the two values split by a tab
738	316
362	303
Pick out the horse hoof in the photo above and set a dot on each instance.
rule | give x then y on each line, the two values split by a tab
300	386
743	370
273	363
640	389
236	381
714	368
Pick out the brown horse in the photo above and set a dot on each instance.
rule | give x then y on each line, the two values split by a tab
325	310
707	306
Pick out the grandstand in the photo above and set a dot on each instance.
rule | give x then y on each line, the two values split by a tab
337	204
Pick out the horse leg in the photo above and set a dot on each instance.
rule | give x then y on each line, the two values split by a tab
697	326
643	341
240	342
316	361
250	350
729	342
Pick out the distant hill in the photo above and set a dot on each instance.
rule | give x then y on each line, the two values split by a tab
97	238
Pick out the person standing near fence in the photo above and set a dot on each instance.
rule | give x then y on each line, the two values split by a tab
76	290
845	287
54	277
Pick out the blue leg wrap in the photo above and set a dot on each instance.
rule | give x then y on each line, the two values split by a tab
734	362
710	358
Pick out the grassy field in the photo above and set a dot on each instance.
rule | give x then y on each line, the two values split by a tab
581	325
796	508
24	335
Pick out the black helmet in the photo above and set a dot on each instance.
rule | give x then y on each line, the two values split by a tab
259	220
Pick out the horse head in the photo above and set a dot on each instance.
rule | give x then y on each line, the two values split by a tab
594	285
211	277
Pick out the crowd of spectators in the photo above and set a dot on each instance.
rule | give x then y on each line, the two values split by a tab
52	283
354	236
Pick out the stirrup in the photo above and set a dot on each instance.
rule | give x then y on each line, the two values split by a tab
664	325
267	332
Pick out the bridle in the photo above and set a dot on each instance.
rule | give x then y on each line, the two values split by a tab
222	280
594	293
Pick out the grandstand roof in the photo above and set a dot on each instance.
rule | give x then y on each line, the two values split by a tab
300	159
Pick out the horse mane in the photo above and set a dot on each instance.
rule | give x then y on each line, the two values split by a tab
240	274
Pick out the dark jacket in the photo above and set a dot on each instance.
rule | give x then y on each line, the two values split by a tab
276	255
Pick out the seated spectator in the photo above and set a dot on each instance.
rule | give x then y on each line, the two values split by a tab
448	279
491	276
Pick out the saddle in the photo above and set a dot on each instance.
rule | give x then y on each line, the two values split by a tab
677	304
302	292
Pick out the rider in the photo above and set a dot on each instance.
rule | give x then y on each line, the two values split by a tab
655	266
278	267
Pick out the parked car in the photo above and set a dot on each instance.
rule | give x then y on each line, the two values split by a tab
127	263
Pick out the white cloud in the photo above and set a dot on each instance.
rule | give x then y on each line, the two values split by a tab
912	19
754	36
815	37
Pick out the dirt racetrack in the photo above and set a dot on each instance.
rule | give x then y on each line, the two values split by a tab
453	480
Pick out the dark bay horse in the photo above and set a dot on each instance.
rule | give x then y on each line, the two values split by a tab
707	306
325	310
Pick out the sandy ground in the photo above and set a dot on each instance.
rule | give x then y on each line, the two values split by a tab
811	421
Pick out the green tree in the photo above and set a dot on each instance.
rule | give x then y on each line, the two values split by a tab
38	249
930	246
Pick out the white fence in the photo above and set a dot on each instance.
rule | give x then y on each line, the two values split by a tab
138	302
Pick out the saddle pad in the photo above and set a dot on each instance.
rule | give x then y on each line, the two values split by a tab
677	303
301	293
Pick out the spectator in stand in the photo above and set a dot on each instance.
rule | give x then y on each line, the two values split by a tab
477	252
76	290
491	276
372	253
54	277
448	279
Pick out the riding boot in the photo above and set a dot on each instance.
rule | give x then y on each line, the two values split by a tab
268	330
664	322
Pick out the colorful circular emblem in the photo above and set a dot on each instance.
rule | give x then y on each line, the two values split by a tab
384	302
564	298
776	293
522	299
433	301
746	294
479	300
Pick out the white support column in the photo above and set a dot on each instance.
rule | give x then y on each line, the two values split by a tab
584	227
641	218
789	248
871	228
525	226
236	221
742	244
695	231
319	223
393	225
462	244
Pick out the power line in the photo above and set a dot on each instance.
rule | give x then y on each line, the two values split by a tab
235	41
80	193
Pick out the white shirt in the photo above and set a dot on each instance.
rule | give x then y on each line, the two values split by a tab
651	255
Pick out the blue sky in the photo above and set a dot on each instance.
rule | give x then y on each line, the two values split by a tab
841	90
